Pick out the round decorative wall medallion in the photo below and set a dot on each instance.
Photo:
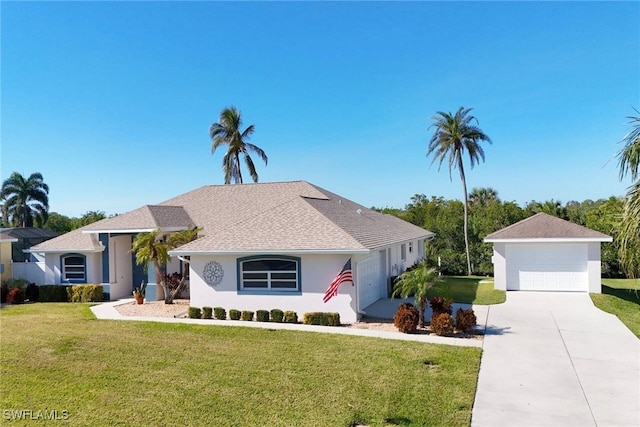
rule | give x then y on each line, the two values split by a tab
213	273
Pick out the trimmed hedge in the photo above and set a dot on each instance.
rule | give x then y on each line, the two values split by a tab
321	318
247	315
262	315
53	293
32	292
195	313
234	314
207	312
84	293
290	317
277	315
219	313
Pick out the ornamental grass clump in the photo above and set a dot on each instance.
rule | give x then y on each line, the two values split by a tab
406	318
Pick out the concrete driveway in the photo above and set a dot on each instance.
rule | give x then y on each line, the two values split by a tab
554	359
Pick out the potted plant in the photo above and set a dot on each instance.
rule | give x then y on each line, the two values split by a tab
138	293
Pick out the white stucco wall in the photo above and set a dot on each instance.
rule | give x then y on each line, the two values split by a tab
499	260
53	274
317	272
594	267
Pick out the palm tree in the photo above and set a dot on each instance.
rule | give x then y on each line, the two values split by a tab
629	163
25	200
417	282
227	131
149	248
455	134
482	196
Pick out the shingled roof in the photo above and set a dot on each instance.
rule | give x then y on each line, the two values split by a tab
545	226
270	217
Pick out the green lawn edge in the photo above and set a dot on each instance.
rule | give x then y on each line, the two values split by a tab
621	297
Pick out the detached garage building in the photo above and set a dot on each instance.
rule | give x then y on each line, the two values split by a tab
546	253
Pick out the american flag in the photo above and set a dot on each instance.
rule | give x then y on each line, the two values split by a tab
343	276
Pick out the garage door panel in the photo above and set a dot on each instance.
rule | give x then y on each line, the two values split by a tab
547	267
370	280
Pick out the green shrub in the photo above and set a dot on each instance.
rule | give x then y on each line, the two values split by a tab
234	314
290	317
195	313
32	292
53	293
321	318
406	318
207	312
247	315
220	313
262	315
465	320
442	324
17	283
277	315
15	296
84	293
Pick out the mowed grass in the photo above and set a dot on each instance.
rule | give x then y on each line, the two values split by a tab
59	357
469	290
621	297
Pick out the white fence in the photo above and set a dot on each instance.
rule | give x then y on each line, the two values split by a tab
32	271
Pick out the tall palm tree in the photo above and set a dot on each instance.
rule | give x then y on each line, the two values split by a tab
228	131
482	196
454	135
417	282
629	163
25	200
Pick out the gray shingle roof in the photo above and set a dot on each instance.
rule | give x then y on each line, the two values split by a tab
74	240
146	218
285	216
544	226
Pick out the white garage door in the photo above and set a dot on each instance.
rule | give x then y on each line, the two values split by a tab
371	280
547	267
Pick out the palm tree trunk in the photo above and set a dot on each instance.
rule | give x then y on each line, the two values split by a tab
466	215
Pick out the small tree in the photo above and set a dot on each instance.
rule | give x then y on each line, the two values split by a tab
149	247
417	282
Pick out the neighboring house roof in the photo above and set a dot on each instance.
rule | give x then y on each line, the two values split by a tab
7	238
545	227
29	233
271	217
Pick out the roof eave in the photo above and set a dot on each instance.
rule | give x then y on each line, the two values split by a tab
134	230
270	251
54	251
548	239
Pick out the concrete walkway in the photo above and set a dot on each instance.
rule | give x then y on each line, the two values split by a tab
554	359
107	311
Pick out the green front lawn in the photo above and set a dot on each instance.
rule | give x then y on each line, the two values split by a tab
59	357
622	298
469	290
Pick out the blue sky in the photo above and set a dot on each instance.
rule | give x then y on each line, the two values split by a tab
112	101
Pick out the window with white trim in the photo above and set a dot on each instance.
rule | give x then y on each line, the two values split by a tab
403	252
280	274
74	268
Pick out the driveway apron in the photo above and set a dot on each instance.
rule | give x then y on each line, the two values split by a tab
554	359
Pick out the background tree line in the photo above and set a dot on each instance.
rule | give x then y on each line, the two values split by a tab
487	213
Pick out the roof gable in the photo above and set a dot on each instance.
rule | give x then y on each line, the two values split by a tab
147	217
545	226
